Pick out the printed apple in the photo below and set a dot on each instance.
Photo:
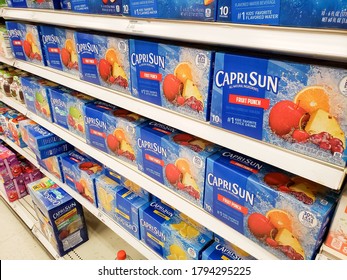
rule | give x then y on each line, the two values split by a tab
105	69
286	116
65	56
27	48
112	142
172	87
173	174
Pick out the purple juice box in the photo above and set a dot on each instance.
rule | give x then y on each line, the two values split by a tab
25	42
174	77
296	106
112	130
104	60
284	213
20	186
10	190
59	48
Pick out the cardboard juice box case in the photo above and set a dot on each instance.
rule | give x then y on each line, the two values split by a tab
127	205
286	214
61	217
10	190
34	4
108	7
25	42
174	77
221	251
23	130
104	60
112	130
299	107
298	13
53	165
14	128
59	48
200	10
174	158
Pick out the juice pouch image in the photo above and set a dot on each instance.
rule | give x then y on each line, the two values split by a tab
104	60
299	107
59	48
174	77
286	214
25	42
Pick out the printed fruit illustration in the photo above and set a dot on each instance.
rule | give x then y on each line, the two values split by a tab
112	142
192	95
125	114
27	48
313	98
192	142
105	69
260	226
117	142
173	174
105	2
289	245
183	72
111	56
63	234
68	55
172	87
286	116
41	104
65	56
183	165
31	50
208	2
280	219
277	179
75	120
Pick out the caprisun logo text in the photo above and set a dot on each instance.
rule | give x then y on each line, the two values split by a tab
154	147
162	209
58	102
95	122
42	131
66	209
232	188
88	47
227	252
49	39
162	126
241	159
153	229
15	33
151	58
252	79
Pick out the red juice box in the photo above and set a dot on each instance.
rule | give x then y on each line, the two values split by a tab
10	190
296	106
20	186
174	77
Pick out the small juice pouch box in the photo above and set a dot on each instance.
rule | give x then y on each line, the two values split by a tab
199	10
20	186
23	130
174	158
15	132
108	7
112	130
127	205
61	217
286	214
53	165
59	48
5	119
7	159
76	102
35	4
10	190
25	42
104	60
296	106
174	77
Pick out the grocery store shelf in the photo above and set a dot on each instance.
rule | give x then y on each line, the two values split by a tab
335	254
120	231
129	171
318	43
329	175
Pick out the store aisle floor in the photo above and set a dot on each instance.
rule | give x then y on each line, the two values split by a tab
16	240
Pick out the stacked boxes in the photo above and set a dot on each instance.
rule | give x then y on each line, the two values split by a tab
61	217
108	7
286	214
43	4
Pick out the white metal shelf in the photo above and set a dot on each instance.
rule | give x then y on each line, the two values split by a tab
168	195
120	231
334	253
318	43
329	175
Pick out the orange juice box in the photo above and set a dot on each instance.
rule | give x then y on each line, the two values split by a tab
284	213
59	48
174	77
296	106
25	42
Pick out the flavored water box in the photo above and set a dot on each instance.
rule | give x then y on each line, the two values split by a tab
108	7
296	106
174	77
284	213
59	48
112	130
104	60
199	10
35	4
174	158
25	42
61	217
297	13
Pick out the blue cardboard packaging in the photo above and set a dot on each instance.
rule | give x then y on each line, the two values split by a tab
25	42
108	7
286	214
61	217
34	4
296	106
112	130
104	60
59	48
174	77
53	164
220	251
298	13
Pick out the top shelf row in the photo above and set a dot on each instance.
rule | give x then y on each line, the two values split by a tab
325	44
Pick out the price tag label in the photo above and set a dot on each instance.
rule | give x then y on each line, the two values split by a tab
135	26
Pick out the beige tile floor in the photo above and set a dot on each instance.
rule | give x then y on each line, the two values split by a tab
16	240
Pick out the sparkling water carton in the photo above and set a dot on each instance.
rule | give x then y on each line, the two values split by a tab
25	42
299	107
59	48
199	10
297	13
174	77
104	60
35	4
174	158
127	205
76	102
112	129
61	217
284	213
108	7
